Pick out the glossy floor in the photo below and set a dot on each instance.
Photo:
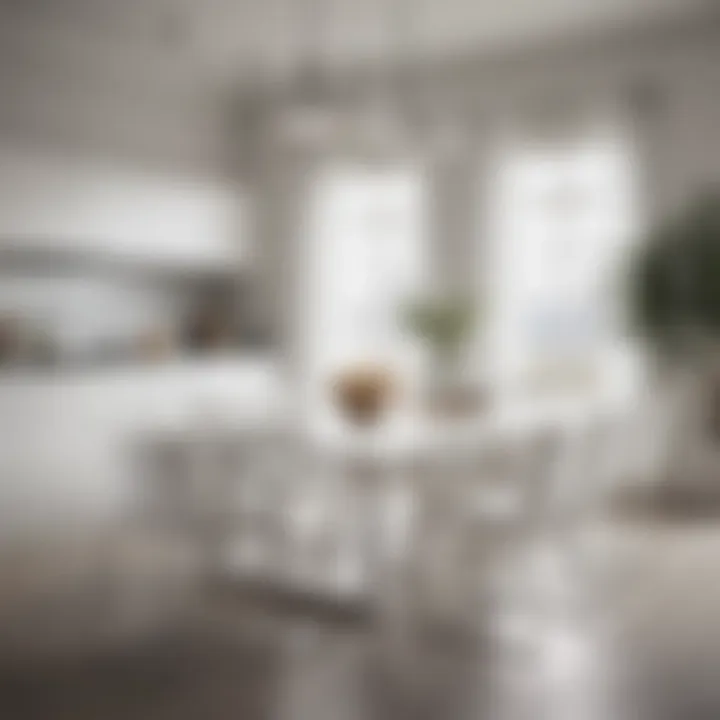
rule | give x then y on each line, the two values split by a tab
638	640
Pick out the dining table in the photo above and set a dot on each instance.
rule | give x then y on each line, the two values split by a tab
409	480
392	505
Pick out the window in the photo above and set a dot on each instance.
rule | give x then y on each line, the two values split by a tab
366	255
562	220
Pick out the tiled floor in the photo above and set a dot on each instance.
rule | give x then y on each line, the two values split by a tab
639	640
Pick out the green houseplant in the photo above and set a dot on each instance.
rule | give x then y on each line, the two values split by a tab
445	324
675	306
675	283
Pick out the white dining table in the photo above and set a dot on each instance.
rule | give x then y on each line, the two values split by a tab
416	456
399	487
408	435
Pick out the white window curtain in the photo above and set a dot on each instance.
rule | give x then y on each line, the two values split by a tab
366	255
563	216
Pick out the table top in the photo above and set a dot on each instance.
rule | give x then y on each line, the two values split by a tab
421	435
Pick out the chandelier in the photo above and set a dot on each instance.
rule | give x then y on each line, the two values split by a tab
390	116
308	113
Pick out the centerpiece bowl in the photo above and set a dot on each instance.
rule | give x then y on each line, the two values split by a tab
363	392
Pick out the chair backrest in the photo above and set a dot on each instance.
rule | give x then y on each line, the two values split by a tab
201	474
499	475
586	467
267	464
542	463
267	479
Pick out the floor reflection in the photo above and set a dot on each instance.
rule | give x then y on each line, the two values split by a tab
634	639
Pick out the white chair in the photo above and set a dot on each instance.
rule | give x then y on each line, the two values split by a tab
519	561
565	565
495	497
262	475
475	506
211	488
292	512
600	460
586	477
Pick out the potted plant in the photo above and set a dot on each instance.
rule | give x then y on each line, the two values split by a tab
675	304
445	324
675	288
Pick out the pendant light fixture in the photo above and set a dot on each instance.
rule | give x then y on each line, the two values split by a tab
402	118
309	117
380	131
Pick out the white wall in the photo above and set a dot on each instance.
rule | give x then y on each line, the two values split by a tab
107	90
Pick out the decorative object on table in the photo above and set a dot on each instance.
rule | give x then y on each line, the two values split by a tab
157	344
675	304
363	392
445	324
26	342
211	325
9	339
